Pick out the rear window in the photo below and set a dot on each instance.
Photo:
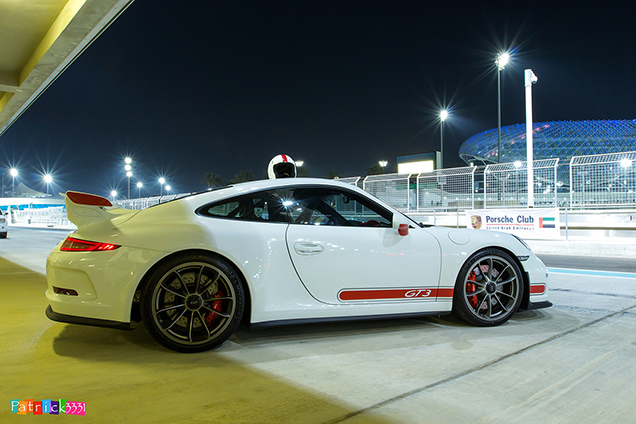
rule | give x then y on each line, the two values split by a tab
264	206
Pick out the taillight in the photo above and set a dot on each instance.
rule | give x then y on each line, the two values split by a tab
75	245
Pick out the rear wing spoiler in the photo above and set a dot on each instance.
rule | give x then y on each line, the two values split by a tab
85	209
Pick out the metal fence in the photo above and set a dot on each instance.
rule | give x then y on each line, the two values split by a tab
446	189
394	189
51	216
603	181
146	202
506	184
351	180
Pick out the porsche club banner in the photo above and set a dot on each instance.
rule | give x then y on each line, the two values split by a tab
525	223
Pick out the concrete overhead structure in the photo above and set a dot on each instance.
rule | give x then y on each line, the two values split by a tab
39	39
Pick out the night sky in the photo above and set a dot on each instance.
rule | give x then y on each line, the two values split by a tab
223	86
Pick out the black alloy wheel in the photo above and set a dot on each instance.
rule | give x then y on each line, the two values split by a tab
193	303
489	288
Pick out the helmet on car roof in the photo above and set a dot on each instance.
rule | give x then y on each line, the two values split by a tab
281	166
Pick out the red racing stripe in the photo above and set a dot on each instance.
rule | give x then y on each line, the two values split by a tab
393	294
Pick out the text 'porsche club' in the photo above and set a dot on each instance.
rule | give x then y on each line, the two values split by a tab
276	251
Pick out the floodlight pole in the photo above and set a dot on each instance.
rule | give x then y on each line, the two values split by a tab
498	115
501	61
530	78
442	117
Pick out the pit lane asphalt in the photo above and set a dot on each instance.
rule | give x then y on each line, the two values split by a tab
573	362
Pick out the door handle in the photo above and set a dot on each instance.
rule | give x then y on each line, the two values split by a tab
308	248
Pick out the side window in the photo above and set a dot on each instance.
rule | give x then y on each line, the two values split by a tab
259	207
325	206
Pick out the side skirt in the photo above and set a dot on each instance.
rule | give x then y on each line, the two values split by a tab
266	324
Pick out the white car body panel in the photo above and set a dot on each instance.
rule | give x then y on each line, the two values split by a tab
285	278
358	258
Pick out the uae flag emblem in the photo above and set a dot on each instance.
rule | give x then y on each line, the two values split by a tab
546	222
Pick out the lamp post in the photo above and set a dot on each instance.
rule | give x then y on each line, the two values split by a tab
442	117
501	62
14	173
530	78
128	169
162	181
139	186
48	179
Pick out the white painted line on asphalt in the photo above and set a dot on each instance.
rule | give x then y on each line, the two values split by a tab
590	272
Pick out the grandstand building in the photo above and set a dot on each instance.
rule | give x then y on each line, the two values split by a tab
553	139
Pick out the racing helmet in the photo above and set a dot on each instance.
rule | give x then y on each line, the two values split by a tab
281	166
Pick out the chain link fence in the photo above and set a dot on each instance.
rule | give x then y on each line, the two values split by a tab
394	189
603	181
446	189
606	181
506	184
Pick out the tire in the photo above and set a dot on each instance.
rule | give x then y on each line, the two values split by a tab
489	288
192	303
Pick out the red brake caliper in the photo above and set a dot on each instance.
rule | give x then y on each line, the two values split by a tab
472	288
211	316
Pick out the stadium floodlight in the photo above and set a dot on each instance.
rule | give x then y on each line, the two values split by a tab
48	179
502	60
162	181
128	169
626	163
383	163
168	189
139	186
14	173
113	194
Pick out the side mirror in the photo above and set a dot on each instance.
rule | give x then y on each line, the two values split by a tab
401	224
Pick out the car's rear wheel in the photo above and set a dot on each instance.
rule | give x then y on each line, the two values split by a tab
489	288
193	303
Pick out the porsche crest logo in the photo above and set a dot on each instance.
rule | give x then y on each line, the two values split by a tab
475	221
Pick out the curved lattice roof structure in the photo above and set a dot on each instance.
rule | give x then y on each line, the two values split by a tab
554	139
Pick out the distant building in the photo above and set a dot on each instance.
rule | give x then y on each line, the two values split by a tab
553	139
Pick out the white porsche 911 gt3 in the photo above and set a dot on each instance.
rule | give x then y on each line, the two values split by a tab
278	251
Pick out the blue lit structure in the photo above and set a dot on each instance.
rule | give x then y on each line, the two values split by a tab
553	139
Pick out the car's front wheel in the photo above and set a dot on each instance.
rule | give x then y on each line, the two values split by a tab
192	303
489	288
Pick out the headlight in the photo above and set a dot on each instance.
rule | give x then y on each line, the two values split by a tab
522	242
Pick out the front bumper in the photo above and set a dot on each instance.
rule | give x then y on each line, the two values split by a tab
538	278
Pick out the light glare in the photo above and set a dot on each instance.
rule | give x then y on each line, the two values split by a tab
502	60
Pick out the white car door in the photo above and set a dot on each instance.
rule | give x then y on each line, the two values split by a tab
345	250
